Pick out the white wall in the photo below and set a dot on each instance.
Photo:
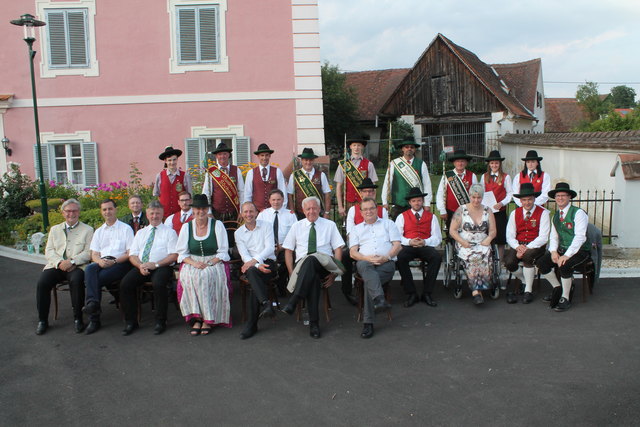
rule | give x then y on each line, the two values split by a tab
625	213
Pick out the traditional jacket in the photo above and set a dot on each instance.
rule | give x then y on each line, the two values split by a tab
537	180
400	187
527	231
566	231
498	189
261	189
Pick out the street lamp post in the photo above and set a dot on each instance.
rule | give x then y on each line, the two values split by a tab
28	22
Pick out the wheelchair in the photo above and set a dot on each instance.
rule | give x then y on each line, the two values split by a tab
454	275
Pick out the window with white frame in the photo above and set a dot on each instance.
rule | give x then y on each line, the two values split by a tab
198	39
69	162
199	151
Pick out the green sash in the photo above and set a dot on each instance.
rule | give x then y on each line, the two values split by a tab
353	175
405	177
307	186
457	187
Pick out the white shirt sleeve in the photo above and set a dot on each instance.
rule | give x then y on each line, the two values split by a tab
543	235
400	226
515	187
436	234
372	172
579	233
511	231
169	221
248	188
129	239
553	238
182	245
426	185
282	186
325	183
508	188
351	214
240	244
442	188
388	182
546	187
240	186
223	241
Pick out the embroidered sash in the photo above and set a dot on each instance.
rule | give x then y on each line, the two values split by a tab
353	175
408	173
227	186
457	188
307	187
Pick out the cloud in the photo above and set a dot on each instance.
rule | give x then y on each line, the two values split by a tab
556	49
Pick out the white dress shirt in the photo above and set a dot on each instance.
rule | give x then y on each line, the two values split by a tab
580	232
507	186
442	191
114	240
169	220
543	234
164	243
426	183
285	220
351	218
323	180
328	237
542	198
375	238
182	247
248	186
371	170
436	234
256	244
207	187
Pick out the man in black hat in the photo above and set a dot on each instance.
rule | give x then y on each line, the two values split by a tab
308	182
453	190
404	173
171	181
420	232
349	175
262	179
224	185
527	235
568	246
354	217
533	174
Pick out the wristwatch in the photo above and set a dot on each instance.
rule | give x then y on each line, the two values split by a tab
157	265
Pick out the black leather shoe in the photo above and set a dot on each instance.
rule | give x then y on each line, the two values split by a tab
477	299
527	298
289	309
426	298
79	325
367	331
411	300
380	304
555	296
314	330
160	327
350	298
511	298
267	310
248	332
92	307
563	305
42	328
547	297
94	326
129	328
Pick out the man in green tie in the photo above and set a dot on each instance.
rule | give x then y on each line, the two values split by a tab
318	247
152	254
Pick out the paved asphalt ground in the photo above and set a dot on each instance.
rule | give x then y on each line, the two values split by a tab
452	365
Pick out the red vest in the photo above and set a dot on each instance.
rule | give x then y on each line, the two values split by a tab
537	180
527	231
220	201
352	194
357	215
261	189
316	180
452	203
413	228
497	187
169	193
176	222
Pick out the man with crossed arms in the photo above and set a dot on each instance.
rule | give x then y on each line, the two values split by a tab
374	245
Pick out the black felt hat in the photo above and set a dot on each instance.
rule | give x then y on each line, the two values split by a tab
494	155
307	153
460	154
367	183
408	141
200	201
532	155
360	140
222	147
169	151
526	190
415	192
562	187
263	148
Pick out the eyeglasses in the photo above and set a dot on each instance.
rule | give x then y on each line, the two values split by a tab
184	200
71	210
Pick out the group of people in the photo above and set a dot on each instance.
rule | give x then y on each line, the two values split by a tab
299	248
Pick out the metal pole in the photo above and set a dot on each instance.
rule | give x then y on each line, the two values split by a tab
43	189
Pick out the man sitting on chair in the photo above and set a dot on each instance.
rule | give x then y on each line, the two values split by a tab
568	246
527	236
420	231
137	219
374	245
318	247
256	247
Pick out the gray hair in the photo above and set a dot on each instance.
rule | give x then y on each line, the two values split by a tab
248	203
135	196
311	199
70	202
155	204
368	199
476	189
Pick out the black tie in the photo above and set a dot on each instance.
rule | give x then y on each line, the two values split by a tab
275	227
417	217
531	175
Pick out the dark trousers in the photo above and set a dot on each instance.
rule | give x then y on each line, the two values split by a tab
95	278
545	264
160	278
426	253
347	277
309	284
48	279
259	282
283	273
528	259
447	222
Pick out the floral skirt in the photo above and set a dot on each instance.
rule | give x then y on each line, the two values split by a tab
477	264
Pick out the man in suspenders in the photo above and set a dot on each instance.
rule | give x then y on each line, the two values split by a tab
261	180
350	174
224	186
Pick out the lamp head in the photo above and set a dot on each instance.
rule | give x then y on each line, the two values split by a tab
28	22
5	145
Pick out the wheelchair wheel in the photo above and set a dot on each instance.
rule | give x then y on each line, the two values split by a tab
457	292
448	264
495	270
495	292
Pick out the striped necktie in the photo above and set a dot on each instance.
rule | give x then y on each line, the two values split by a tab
147	247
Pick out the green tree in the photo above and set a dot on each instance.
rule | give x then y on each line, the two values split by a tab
340	103
588	97
623	97
615	122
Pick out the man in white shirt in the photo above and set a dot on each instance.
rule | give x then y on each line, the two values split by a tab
152	254
257	249
308	181
374	245
568	246
281	220
307	237
175	221
420	231
110	255
527	236
264	178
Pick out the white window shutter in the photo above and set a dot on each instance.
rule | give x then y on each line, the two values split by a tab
57	38
44	150
187	34
90	163
241	150
194	154
208	34
77	38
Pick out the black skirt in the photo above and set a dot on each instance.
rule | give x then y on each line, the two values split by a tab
501	227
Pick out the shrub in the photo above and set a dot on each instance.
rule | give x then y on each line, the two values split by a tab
36	205
16	189
62	191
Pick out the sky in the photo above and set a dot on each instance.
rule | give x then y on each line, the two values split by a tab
577	40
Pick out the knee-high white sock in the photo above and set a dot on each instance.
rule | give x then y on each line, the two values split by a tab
518	274
529	275
551	277
566	287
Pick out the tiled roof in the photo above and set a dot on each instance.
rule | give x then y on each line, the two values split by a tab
563	114
522	80
620	140
630	166
374	88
